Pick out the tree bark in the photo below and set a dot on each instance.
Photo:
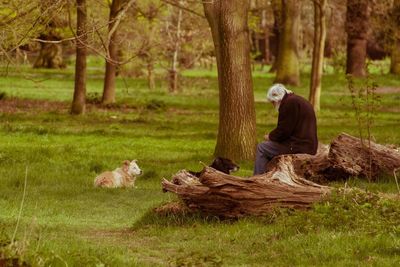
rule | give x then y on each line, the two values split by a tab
311	167
173	71
288	71
395	59
151	82
276	32
111	65
266	33
228	196
237	123
395	56
318	53
348	156
287	182
357	24
78	102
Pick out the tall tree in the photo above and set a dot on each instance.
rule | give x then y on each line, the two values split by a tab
276	32
395	58
112	57
173	70
357	24
288	63
148	23
237	125
318	52
78	102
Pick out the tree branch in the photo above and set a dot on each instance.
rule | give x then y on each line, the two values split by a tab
172	3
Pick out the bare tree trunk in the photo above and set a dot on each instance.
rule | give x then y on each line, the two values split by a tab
318	53
111	66
395	57
276	32
237	122
78	103
288	63
150	74
173	71
266	31
151	83
357	23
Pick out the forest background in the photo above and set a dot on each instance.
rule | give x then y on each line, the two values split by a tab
85	85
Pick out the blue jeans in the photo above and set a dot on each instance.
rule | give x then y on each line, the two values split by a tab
266	151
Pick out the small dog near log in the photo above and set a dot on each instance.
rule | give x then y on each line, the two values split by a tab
221	164
120	177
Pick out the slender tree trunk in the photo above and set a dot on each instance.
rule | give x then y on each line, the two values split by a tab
150	75
357	24
266	31
151	83
288	63
237	128
78	103
173	72
111	65
318	53
395	57
276	32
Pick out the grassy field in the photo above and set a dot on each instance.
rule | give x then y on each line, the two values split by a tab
64	221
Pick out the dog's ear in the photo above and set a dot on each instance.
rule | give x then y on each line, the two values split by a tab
217	160
125	165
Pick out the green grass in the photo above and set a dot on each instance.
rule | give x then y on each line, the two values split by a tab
66	221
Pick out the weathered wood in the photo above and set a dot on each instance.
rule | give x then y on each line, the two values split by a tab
348	156
230	196
287	182
311	167
345	157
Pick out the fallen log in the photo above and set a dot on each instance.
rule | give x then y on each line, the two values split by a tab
349	156
229	196
345	157
288	182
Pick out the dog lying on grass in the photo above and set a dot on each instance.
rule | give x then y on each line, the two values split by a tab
120	177
221	164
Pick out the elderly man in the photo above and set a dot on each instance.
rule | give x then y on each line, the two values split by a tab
296	131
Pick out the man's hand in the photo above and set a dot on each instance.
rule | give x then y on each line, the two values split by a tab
266	137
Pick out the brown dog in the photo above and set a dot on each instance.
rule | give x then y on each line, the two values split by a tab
120	177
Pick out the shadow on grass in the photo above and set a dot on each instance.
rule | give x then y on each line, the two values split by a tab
176	214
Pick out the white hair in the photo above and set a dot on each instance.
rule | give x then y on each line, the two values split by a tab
276	92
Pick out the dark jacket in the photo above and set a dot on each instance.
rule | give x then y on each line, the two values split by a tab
297	125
